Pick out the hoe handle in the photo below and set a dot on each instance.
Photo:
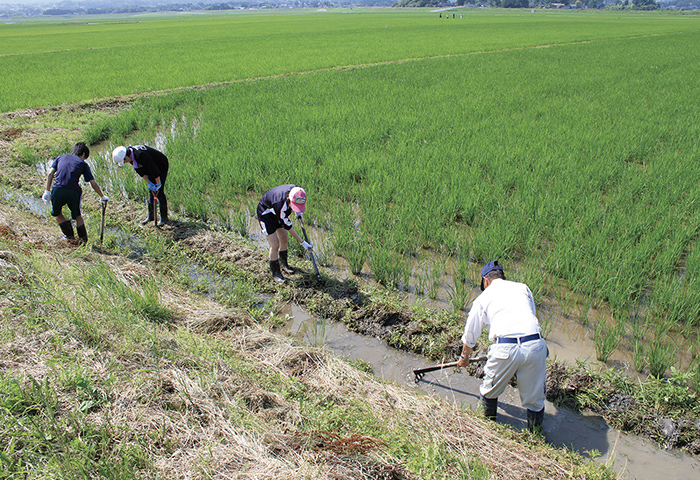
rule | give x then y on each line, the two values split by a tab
419	372
313	258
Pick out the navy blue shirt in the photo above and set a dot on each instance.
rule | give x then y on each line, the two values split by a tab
69	168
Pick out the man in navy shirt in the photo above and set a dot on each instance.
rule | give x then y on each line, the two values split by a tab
151	165
67	170
273	212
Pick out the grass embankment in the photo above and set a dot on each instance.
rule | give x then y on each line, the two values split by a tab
114	366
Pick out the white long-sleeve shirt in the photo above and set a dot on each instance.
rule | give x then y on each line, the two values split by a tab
506	307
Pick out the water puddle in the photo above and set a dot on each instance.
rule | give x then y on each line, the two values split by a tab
589	435
25	202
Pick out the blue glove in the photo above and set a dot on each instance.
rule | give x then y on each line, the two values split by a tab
153	187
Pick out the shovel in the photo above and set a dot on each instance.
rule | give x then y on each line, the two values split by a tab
419	372
155	212
102	224
313	258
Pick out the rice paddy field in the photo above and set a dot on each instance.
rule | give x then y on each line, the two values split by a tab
561	142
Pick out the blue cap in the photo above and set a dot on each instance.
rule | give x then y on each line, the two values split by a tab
488	268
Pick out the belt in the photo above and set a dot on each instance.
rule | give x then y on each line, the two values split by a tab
526	338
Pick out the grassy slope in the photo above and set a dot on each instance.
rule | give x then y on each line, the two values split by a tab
114	366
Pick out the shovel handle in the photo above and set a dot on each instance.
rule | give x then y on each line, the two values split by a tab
155	213
102	224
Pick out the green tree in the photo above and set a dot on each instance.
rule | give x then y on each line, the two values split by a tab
645	5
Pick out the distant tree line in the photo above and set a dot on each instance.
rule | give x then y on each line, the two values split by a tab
141	7
618	4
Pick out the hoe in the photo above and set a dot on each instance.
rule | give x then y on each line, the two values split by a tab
419	372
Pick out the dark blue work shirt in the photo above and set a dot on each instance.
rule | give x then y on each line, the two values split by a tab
69	168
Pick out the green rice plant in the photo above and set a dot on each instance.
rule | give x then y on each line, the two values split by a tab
314	331
547	323
356	254
638	333
389	269
606	337
458	296
434	278
324	251
240	222
421	273
661	351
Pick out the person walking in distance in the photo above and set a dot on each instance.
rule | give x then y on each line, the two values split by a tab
508	310
67	170
274	210
151	165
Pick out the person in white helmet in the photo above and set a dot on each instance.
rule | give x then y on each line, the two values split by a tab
151	165
67	170
508	310
273	212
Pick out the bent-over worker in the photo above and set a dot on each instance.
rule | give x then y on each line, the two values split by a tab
273	212
508	310
151	165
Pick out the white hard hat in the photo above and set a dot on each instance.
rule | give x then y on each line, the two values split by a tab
118	155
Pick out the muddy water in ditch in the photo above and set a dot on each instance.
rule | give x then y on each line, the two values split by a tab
630	456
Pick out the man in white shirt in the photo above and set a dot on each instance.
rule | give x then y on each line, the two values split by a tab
508	310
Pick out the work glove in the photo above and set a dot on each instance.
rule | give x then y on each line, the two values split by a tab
306	245
105	199
153	187
46	197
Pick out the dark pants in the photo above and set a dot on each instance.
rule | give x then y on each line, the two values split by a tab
161	190
65	196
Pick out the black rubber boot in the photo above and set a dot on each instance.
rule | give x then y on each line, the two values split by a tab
67	229
490	406
163	213
150	213
534	420
82	233
283	262
275	269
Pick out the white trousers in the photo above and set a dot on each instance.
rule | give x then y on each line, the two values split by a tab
527	361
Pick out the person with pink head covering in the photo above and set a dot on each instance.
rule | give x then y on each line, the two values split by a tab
274	210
